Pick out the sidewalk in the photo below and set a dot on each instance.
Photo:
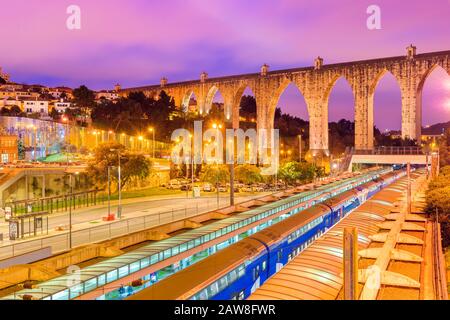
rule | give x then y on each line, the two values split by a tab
139	200
94	230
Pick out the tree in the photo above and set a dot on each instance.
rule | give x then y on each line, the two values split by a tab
84	98
248	174
438	202
248	106
20	150
216	174
288	172
133	166
136	166
296	172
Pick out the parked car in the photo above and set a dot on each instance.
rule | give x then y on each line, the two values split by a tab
223	189
186	187
207	187
247	189
174	184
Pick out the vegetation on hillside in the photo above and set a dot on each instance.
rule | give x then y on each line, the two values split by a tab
438	202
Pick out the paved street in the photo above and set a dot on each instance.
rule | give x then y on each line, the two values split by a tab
88	226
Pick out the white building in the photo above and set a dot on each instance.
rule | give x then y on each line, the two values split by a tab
62	106
108	95
35	106
9	102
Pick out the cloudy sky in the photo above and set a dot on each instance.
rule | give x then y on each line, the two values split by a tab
135	42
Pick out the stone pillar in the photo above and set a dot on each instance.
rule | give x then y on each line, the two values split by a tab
201	105
363	117
411	85
318	125
318	116
411	106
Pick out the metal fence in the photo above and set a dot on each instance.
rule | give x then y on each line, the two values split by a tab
58	203
391	151
60	242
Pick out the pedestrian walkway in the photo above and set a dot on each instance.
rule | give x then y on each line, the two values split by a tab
89	227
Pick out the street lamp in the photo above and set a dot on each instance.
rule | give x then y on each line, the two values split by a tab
300	146
141	138
70	209
119	186
153	141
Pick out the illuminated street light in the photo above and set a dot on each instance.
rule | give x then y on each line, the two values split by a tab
153	141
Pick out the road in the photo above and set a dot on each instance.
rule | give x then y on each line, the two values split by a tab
136	207
88	226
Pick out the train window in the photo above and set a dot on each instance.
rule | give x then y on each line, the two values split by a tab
213	290
279	255
222	283
241	271
101	280
183	247
241	295
264	265
203	295
289	257
167	254
145	262
232	276
111	276
134	266
123	271
254	275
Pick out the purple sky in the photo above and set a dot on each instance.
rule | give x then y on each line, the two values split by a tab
135	42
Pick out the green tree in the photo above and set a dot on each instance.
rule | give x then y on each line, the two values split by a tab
84	98
248	174
296	172
438	202
20	150
136	166
288	172
216	174
248	106
133	166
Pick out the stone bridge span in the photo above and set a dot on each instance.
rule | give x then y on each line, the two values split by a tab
316	83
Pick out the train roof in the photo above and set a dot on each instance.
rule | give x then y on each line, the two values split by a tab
316	274
179	286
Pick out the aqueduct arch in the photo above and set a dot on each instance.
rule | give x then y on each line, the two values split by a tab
315	83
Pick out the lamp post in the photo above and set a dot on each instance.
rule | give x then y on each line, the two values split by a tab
70	209
119	183
300	146
192	164
152	130
141	139
109	190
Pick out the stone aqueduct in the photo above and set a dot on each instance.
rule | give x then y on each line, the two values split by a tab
316	83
